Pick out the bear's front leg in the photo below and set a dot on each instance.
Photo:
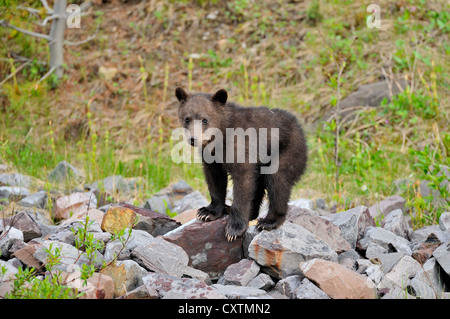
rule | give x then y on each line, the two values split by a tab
243	186
216	178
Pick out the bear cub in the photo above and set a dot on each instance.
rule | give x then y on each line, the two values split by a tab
276	129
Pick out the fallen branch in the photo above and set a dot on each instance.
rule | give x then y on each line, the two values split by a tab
5	24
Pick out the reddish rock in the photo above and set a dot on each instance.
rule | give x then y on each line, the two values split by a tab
207	246
93	213
337	281
426	249
387	205
25	255
186	216
152	222
98	286
23	222
241	273
66	205
324	229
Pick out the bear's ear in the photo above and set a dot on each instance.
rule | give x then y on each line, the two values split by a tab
220	96
181	94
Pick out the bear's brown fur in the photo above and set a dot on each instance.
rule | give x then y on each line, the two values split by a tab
249	184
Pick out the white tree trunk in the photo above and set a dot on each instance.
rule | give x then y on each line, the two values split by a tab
57	38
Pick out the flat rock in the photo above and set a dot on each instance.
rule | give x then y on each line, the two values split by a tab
240	292
159	203
338	281
38	199
207	246
15	179
186	216
68	254
241	273
387	205
13	193
152	222
281	250
25	255
307	290
325	230
141	292
171	287
161	256
353	223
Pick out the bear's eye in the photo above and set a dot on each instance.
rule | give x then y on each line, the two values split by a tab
186	120
205	121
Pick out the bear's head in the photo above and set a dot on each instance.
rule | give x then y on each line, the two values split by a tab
200	114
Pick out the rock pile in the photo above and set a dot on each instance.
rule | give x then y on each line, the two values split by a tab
311	256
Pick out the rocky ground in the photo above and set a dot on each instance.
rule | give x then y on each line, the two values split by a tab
315	254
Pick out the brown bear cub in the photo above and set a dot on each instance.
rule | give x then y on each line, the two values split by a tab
277	130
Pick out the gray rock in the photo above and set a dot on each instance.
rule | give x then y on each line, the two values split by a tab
161	256
387	261
444	221
442	255
397	292
405	268
385	239
262	281
420	235
191	201
362	265
159	203
171	287
8	237
240	292
15	179
322	228
374	250
241	273
68	254
374	273
288	285
251	232
349	259
387	205
281	250
64	172
352	223
132	274
431	274
13	193
66	236
10	271
123	249
303	203
307	290
110	184
182	187
38	199
396	223
421	290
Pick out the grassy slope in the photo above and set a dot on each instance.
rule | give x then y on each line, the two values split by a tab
262	52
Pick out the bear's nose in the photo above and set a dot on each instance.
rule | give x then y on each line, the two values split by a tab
192	141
